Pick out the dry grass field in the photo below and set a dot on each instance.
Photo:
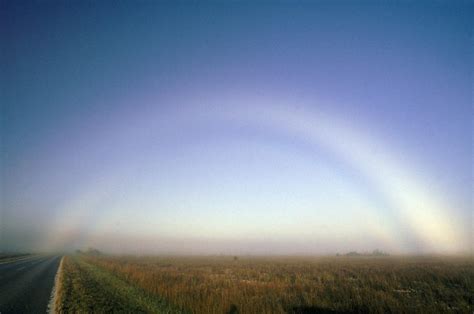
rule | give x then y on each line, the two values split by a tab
271	284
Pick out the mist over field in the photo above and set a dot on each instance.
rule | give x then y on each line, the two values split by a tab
239	128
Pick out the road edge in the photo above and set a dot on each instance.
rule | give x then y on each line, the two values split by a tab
56	287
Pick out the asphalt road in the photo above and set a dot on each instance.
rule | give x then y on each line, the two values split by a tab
25	285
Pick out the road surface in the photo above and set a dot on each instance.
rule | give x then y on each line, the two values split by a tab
26	284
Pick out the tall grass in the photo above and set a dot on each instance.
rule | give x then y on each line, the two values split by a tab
278	285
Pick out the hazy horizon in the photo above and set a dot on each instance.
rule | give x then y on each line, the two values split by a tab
237	128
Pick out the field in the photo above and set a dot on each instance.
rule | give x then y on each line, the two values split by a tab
266	284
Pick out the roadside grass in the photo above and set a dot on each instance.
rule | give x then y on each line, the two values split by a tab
86	288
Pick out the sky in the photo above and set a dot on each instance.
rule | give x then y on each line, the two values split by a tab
236	128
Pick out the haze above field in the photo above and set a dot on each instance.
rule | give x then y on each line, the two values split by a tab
209	128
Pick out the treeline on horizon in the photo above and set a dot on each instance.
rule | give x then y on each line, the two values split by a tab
96	252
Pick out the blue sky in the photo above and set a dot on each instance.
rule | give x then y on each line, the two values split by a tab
287	127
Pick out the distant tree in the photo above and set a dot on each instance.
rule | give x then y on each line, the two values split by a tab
93	252
378	252
375	252
353	253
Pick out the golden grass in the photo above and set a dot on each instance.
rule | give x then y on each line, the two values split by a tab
290	284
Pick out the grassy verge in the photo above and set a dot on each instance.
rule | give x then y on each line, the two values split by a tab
86	288
53	302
